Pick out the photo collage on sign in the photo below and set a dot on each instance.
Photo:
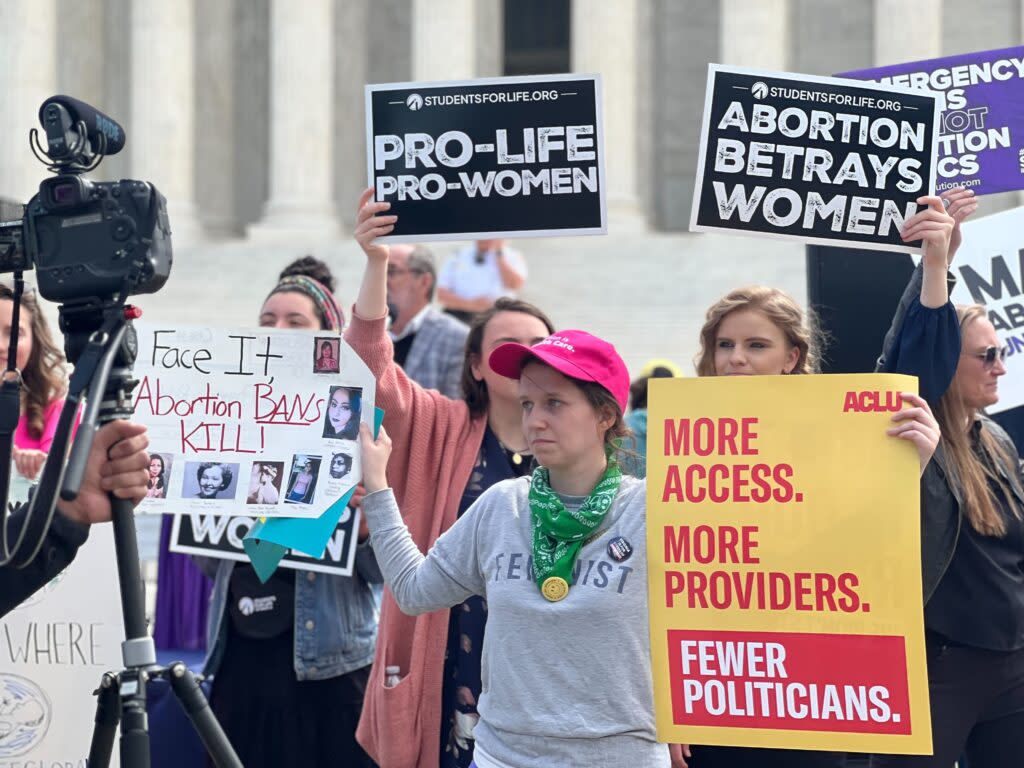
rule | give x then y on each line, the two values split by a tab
287	479
341	430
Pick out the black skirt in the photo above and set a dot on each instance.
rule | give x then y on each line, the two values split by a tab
274	720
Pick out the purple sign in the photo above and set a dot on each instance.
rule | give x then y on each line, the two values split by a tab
981	141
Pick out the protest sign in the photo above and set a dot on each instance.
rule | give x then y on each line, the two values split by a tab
250	422
814	159
54	648
222	538
990	271
785	589
981	136
496	157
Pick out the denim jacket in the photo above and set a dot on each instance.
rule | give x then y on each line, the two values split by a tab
335	618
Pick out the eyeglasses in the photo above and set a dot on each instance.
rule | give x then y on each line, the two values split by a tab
396	271
989	356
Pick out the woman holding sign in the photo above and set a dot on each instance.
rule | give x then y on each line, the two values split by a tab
567	651
446	453
972	498
290	672
762	331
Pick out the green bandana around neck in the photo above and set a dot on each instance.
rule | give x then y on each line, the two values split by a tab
559	533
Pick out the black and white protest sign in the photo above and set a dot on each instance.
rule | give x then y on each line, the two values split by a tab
816	159
497	157
221	537
990	271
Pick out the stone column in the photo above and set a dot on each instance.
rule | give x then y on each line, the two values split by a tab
351	75
82	37
685	37
831	36
215	107
755	34
490	38
161	132
28	61
301	206
443	39
604	41
907	31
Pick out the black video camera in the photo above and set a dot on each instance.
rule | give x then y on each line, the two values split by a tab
87	240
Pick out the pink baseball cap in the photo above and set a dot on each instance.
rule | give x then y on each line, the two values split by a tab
576	354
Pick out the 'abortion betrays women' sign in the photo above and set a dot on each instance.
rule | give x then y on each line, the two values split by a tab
816	159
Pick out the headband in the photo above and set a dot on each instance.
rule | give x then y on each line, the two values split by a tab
322	298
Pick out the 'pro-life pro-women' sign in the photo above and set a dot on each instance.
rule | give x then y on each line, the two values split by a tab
815	159
495	157
255	422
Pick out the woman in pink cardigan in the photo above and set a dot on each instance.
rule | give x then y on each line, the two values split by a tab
446	453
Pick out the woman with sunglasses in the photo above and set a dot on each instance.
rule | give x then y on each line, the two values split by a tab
973	561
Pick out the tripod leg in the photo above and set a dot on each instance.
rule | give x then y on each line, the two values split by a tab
108	714
134	724
187	689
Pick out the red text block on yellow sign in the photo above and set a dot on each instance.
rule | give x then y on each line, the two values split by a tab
783	539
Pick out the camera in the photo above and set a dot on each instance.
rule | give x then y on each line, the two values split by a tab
87	240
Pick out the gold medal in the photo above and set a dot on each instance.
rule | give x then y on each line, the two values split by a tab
554	588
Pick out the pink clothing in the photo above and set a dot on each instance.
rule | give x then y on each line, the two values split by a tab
435	447
25	441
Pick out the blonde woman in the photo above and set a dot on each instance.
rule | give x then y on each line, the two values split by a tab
763	331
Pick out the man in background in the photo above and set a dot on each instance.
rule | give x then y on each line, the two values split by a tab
429	345
477	276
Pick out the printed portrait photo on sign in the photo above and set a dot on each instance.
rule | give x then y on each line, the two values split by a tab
341	421
210	480
302	479
159	475
326	355
265	482
341	465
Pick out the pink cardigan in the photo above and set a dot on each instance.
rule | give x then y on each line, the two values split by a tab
435	447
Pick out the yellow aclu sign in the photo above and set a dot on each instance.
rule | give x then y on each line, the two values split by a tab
783	540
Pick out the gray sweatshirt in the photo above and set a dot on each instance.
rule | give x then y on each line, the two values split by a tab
566	683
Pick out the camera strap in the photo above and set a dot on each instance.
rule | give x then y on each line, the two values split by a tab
10	410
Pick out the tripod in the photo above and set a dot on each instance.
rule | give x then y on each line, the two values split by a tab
101	341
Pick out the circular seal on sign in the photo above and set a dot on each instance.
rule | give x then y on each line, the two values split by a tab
620	549
554	588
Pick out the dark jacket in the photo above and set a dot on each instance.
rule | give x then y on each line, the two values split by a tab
60	546
933	358
941	500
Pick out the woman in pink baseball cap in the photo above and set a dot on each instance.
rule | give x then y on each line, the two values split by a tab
560	559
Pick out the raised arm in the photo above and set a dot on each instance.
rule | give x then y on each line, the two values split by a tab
924	338
404	402
373	221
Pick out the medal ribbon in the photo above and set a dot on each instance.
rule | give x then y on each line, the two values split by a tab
559	533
